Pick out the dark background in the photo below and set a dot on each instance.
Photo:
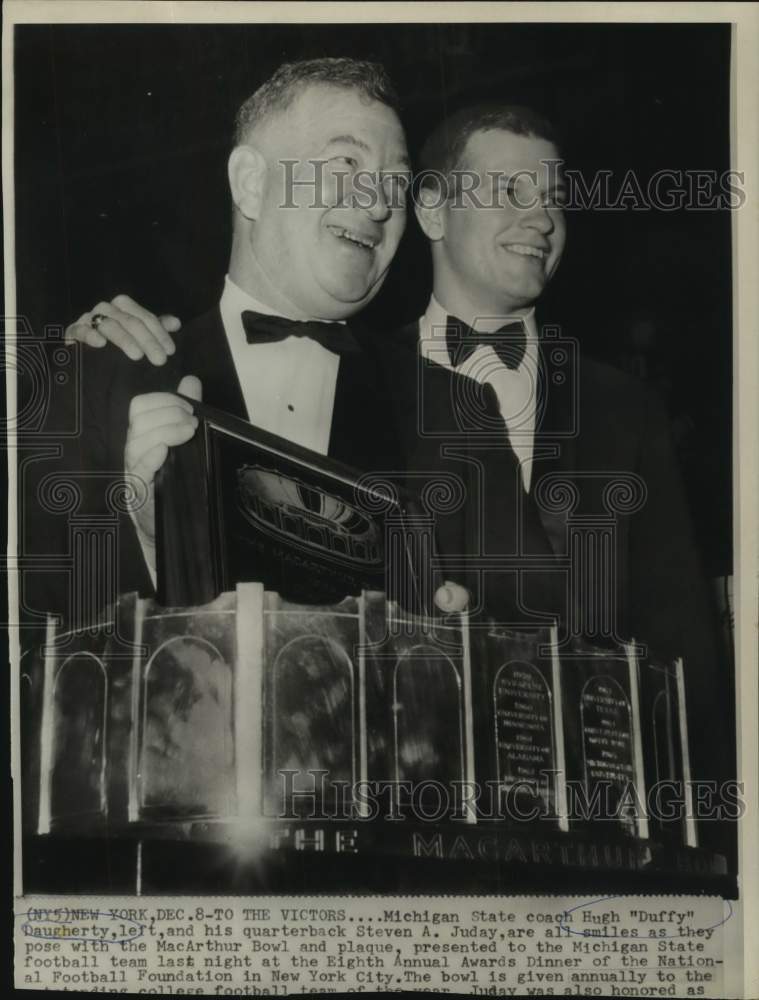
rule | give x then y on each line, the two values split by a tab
122	135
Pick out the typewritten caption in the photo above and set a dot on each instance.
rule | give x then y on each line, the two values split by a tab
627	947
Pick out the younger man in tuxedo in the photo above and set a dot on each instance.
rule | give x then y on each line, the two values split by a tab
570	465
586	427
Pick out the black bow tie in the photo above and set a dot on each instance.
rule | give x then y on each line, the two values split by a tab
509	342
263	329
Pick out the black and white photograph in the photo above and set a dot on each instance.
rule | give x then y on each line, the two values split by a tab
372	405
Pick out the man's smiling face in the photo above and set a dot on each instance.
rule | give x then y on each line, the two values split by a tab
325	251
499	259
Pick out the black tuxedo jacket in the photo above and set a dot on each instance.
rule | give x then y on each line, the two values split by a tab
98	401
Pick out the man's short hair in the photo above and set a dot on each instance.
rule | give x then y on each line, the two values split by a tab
443	150
281	89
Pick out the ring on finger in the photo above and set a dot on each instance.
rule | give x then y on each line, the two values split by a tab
96	320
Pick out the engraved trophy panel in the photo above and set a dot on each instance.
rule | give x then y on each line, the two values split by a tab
86	721
31	693
74	725
122	663
80	696
523	723
312	740
427	744
186	754
663	749
516	743
378	701
418	705
607	739
602	727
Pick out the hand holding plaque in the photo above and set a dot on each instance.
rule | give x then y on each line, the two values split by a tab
237	504
157	421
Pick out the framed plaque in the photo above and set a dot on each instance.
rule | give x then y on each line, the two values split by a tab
237	504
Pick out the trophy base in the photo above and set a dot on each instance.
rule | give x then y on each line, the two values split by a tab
287	856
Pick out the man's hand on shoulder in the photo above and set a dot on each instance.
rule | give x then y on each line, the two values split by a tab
123	322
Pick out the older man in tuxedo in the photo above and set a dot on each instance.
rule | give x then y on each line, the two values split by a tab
317	178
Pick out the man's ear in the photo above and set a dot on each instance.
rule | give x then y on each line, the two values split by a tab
247	176
430	206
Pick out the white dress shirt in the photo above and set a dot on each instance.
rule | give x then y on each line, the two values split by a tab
515	389
288	386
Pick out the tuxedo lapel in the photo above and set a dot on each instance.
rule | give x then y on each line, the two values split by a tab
556	427
352	410
362	431
204	351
